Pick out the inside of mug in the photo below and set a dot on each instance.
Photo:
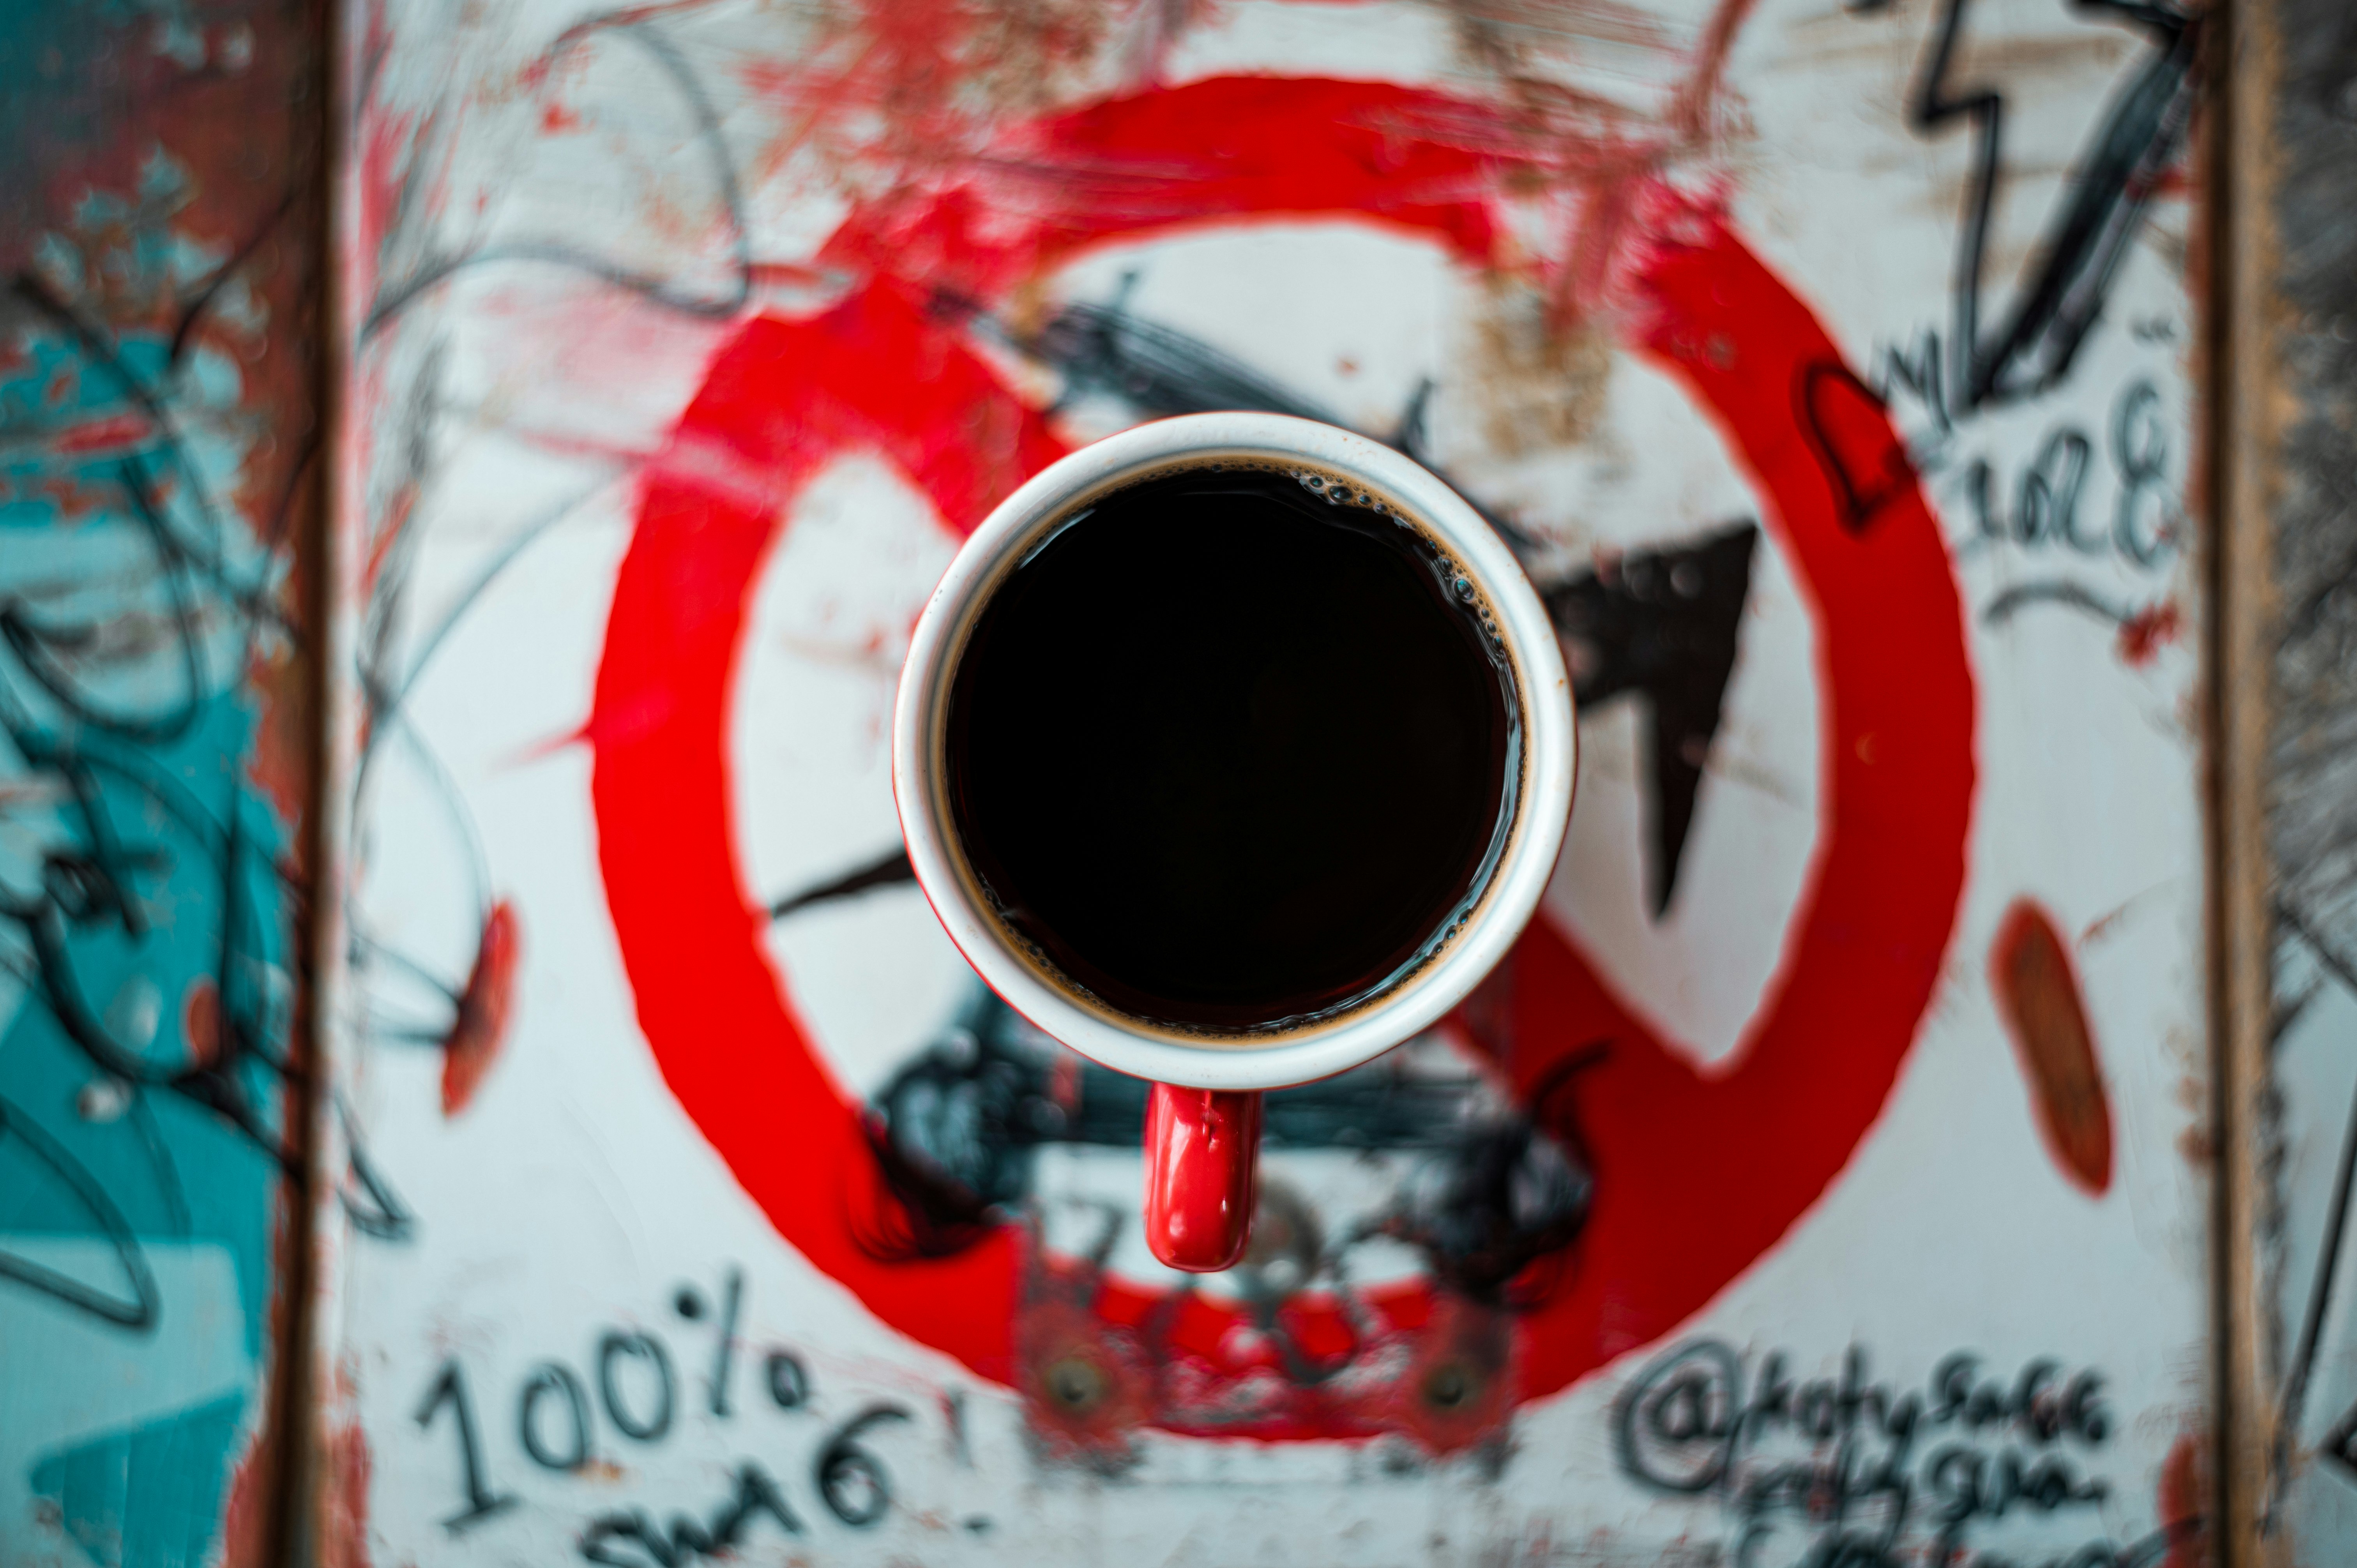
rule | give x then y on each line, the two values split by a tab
1035	736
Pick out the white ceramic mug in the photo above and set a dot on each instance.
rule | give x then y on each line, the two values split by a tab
1203	1116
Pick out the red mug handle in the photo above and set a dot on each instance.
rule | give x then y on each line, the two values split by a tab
1202	1163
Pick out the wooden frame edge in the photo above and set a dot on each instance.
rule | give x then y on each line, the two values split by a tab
2242	440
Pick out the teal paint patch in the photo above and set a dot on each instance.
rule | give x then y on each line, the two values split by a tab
147	1497
147	908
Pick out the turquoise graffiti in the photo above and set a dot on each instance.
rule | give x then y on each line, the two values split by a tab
153	447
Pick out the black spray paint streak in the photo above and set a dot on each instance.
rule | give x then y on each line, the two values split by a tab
2012	601
888	870
1816	386
2112	178
1158	370
2340	1444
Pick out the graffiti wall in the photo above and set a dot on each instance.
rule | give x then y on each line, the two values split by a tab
1823	1177
160	441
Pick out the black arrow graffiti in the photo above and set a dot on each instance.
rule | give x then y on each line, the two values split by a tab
1662	625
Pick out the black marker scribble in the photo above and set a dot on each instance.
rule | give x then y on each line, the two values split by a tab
395	298
1856	1470
1819	388
140	1311
756	1495
407	998
2013	601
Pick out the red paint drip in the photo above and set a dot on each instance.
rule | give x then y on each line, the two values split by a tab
481	1025
2143	633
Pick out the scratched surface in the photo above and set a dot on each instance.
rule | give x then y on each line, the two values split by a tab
159	438
1818	1181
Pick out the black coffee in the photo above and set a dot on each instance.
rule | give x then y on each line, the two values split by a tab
1232	747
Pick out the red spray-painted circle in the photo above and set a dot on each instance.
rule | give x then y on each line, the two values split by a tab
1698	1174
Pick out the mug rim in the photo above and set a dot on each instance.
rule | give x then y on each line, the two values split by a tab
1167	1053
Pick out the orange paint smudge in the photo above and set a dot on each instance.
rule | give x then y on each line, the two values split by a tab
2037	996
200	1021
481	1026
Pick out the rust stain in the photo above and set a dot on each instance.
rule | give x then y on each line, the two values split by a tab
2101	926
2038	995
481	1026
2185	1497
1540	383
1087	1387
341	1536
2051	57
280	763
1457	1396
247	1521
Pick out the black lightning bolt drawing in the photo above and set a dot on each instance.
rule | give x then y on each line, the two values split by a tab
2112	178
